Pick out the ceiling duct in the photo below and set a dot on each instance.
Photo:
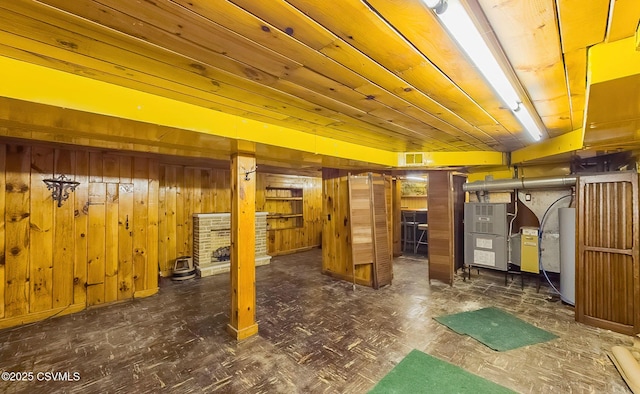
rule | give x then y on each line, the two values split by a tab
520	184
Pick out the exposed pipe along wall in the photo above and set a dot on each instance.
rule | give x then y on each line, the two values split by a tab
544	197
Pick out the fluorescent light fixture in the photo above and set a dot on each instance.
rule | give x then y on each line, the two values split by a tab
458	23
415	178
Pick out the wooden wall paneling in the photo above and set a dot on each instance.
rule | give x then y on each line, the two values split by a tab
125	168
171	197
80	224
197	195
110	169
207	184
152	227
18	160
608	266
63	234
41	231
3	251
95	166
223	191
111	177
396	217
125	241
189	209
388	192
361	224
440	234
358	222
163	259
181	240
140	222
96	242
112	254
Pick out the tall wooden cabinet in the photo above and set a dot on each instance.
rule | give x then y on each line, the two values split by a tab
607	266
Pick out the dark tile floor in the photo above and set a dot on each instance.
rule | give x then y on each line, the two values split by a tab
316	335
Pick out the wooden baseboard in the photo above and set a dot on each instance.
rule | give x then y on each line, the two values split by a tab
291	251
347	278
145	293
38	316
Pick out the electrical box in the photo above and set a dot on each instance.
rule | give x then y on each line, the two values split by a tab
485	235
529	250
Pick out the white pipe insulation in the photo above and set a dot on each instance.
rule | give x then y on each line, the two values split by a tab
520	183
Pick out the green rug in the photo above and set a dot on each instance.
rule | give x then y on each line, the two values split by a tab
496	328
421	373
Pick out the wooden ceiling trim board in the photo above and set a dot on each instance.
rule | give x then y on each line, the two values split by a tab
224	18
623	21
529	38
416	24
582	23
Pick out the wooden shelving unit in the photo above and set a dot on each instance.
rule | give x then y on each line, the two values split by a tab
285	207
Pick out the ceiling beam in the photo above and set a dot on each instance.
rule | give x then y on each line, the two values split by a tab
29	82
564	143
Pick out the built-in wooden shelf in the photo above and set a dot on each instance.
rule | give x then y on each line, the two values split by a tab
284	215
414	196
284	198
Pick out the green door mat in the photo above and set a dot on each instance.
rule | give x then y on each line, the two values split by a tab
496	328
421	373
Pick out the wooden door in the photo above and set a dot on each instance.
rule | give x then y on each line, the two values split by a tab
369	227
381	230
608	271
458	196
441	229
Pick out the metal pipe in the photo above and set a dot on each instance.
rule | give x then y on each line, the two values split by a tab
520	183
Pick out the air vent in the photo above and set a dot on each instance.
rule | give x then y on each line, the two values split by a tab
414	159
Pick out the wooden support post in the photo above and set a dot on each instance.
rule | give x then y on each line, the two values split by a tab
243	240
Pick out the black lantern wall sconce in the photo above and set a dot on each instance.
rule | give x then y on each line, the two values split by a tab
61	187
251	171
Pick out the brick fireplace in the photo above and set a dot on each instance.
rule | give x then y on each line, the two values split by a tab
212	231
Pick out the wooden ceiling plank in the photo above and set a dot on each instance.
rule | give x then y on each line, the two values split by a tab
529	35
624	19
217	103
63	40
294	70
582	23
374	37
420	27
249	28
345	54
171	72
576	69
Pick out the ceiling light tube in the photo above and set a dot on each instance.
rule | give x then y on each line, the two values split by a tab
460	26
